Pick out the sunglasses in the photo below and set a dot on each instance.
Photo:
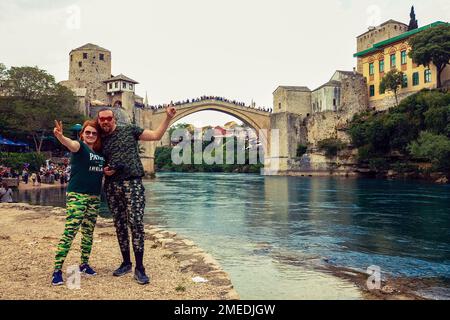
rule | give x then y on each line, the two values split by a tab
90	133
103	119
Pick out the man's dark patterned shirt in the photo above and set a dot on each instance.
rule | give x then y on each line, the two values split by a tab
121	150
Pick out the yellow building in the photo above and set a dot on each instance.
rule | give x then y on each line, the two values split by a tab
392	53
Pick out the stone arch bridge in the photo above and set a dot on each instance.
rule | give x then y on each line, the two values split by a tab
255	118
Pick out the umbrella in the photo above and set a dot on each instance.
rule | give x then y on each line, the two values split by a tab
76	127
7	142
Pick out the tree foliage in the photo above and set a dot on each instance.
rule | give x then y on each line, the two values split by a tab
33	100
432	46
392	81
379	135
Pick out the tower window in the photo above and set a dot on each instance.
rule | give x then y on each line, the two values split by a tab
110	85
101	56
427	76
393	61
116	85
372	90
79	64
404	57
279	105
381	66
124	85
84	55
405	81
71	58
131	86
415	79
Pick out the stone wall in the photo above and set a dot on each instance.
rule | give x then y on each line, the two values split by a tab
389	101
292	99
329	124
289	126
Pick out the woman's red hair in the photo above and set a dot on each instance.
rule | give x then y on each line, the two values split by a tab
98	143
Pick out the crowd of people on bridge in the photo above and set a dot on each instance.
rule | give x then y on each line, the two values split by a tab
203	98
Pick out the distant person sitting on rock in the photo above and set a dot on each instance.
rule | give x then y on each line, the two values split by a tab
83	195
5	193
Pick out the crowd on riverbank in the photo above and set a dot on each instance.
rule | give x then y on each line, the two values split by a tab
203	98
47	174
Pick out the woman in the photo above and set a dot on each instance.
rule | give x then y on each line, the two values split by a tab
5	193
83	194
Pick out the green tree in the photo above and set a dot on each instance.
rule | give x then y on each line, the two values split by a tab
33	102
432	46
392	81
29	83
432	147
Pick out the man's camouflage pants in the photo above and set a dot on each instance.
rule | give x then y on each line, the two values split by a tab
82	210
126	202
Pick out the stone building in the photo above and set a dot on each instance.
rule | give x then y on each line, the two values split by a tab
306	117
94	86
386	48
89	66
384	31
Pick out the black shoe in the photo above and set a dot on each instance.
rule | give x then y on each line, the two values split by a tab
140	276
122	270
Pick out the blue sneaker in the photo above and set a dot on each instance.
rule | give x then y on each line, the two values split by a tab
140	276
86	269
57	278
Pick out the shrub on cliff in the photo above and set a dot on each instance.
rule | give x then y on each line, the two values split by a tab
434	148
378	134
331	146
301	150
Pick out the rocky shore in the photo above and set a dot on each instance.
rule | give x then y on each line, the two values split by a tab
29	234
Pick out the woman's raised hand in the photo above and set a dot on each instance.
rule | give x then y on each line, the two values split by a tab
58	130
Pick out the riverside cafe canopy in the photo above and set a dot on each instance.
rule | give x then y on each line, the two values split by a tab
9	145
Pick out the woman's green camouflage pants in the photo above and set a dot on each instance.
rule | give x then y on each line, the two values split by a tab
82	210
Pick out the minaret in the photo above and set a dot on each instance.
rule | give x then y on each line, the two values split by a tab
413	24
146	100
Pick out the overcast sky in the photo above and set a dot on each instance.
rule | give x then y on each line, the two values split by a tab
179	49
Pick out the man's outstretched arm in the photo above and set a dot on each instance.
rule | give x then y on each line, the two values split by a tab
155	135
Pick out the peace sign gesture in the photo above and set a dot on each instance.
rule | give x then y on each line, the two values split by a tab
58	130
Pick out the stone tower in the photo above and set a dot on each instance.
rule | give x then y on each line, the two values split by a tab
89	66
90	62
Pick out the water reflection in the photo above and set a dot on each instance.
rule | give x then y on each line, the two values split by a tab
42	196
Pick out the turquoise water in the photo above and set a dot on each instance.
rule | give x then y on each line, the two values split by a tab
269	233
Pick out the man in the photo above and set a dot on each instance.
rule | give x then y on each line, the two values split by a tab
123	184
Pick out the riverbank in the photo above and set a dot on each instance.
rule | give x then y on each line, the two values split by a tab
28	238
29	186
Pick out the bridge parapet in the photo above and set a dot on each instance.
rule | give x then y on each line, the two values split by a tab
214	102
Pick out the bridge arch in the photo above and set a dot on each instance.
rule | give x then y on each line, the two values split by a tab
254	118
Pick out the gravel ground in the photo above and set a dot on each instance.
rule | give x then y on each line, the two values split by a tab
28	239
